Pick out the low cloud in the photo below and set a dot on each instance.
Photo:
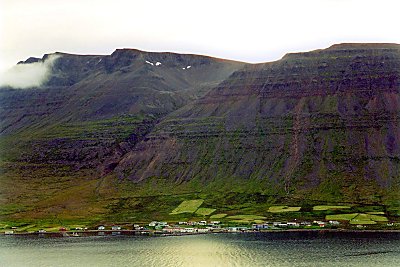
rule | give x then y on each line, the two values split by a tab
28	75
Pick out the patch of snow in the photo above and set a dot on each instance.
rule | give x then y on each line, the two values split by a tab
158	63
188	67
148	62
184	68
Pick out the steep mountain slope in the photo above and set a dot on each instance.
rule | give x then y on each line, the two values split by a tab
106	98
322	125
92	110
130	135
89	87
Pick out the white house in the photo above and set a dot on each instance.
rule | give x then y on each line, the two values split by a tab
158	224
260	226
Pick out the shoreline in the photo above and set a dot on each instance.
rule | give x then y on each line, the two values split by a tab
88	233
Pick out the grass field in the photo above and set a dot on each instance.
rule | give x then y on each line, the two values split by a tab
341	217
377	218
188	206
277	209
362	219
358	218
376	213
205	211
326	207
218	216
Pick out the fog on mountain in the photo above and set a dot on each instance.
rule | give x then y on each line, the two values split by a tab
28	75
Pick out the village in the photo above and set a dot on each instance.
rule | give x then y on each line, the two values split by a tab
181	228
217	226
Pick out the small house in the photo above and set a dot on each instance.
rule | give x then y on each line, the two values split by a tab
173	229
319	223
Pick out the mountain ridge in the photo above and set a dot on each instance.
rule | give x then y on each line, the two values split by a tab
319	125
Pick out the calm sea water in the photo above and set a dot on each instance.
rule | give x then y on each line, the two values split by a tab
260	249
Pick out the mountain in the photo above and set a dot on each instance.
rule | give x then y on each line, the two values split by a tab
92	110
131	134
106	98
322	124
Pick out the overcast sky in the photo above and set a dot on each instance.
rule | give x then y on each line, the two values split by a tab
252	31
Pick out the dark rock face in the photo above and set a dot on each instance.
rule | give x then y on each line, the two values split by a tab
322	125
325	122
94	109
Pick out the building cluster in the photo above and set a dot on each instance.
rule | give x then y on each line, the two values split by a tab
186	227
217	226
295	224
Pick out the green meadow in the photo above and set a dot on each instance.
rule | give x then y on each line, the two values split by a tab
358	218
218	216
278	209
205	211
188	206
326	207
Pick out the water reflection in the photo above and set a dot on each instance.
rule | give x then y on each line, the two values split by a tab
274	249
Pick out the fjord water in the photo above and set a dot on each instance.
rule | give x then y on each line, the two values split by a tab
259	249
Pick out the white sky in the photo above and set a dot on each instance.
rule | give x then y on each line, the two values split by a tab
250	30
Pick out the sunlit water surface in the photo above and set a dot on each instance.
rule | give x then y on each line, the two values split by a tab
262	249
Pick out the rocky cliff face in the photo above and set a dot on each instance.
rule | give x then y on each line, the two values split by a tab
321	125
94	109
324	122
